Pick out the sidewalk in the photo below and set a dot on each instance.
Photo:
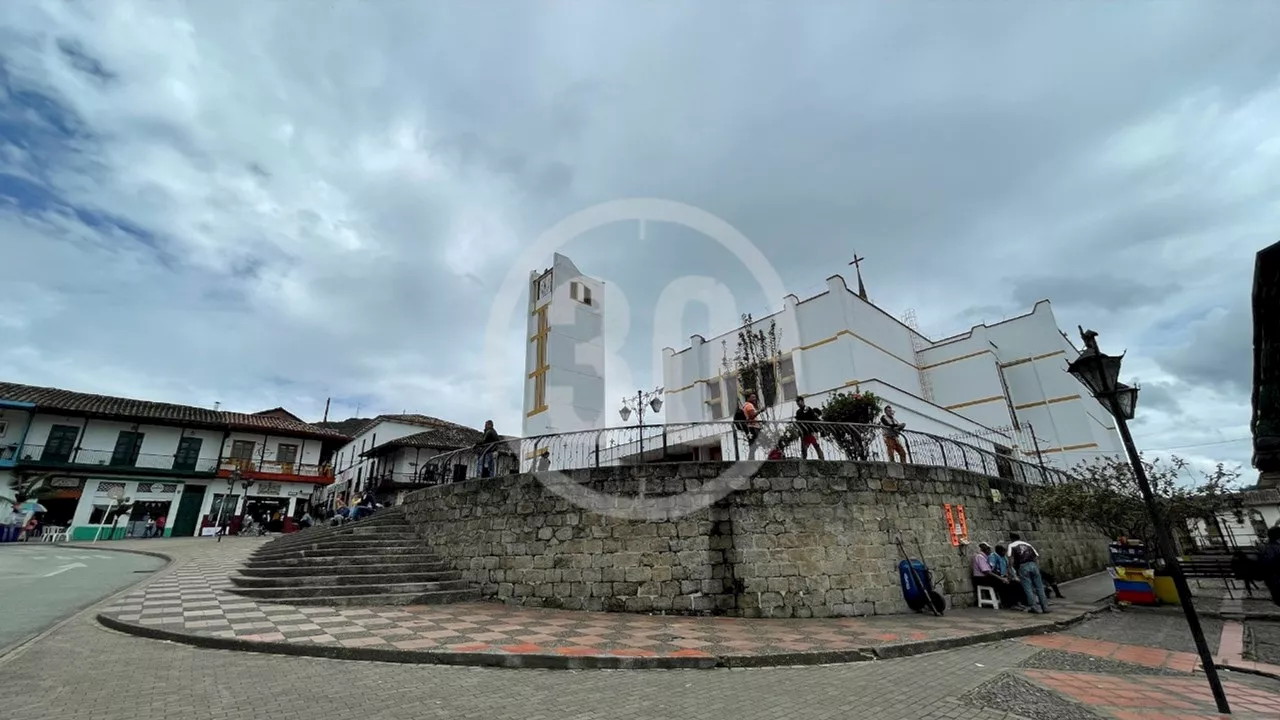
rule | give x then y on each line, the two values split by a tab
190	604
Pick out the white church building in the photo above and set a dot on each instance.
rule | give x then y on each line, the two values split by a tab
1002	386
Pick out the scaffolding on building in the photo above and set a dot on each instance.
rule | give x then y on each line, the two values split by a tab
918	345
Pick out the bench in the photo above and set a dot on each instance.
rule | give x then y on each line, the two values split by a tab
1213	567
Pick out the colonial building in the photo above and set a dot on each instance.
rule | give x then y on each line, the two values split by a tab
192	465
390	454
1002	386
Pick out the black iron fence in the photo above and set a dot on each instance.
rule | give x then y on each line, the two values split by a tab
734	441
61	456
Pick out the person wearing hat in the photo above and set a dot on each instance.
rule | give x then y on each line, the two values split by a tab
984	574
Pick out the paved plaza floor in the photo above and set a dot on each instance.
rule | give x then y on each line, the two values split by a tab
1117	666
191	603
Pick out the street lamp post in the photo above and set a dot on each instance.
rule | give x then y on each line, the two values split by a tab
1100	373
222	509
652	400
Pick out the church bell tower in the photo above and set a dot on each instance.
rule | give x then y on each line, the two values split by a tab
564	365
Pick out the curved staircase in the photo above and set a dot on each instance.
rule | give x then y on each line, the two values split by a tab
375	561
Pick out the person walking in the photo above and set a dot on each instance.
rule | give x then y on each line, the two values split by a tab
805	418
1026	560
1269	564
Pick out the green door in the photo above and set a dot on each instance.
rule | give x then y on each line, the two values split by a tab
184	525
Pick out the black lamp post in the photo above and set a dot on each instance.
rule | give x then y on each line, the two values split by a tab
222	509
652	400
1100	373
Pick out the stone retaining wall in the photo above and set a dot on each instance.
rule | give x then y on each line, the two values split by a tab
794	540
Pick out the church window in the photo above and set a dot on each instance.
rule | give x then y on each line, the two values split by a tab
580	292
540	391
767	378
731	391
715	399
787	378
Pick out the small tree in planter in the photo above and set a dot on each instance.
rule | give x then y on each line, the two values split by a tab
753	363
847	419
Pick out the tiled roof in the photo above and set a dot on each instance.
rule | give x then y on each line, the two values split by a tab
349	427
280	412
408	419
106	406
443	439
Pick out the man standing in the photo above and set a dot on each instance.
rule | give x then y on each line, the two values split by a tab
805	419
487	445
1026	560
892	431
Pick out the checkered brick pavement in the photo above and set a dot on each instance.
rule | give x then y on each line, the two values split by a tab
1156	698
85	668
193	599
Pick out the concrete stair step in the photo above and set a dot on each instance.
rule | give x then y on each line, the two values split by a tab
442	597
372	526
346	570
342	560
373	551
313	591
324	580
343	542
360	529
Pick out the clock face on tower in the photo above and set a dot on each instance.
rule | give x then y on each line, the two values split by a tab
544	285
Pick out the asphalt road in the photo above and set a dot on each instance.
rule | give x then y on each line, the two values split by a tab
42	583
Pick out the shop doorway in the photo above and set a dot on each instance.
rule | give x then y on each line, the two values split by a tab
144	510
267	511
188	514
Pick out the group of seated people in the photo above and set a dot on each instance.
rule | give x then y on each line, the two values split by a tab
345	513
1014	573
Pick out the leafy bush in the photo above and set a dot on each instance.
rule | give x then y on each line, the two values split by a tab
847	416
1105	494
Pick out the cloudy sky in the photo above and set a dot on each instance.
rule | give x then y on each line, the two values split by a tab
274	202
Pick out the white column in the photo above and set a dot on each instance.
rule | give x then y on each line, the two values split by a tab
293	504
173	510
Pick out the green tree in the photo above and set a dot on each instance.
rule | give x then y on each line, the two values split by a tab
848	421
1104	493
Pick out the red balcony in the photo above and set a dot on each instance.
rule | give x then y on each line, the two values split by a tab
271	471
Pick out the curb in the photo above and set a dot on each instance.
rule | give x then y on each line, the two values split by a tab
1247	670
593	662
168	559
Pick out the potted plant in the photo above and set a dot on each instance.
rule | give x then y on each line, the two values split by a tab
848	420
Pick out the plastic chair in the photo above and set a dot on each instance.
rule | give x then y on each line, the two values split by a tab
987	597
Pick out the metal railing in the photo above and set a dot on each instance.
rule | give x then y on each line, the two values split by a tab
54	456
734	441
276	467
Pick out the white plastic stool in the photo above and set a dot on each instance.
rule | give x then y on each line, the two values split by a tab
987	597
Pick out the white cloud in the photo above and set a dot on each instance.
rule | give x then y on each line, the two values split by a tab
269	204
